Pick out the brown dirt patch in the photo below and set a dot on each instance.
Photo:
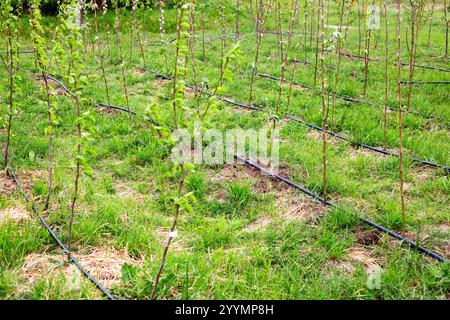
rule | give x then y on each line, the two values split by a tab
423	173
367	237
160	83
139	72
30	177
344	266
443	227
16	214
317	135
355	152
123	190
57	92
259	182
7	185
362	255
295	208
259	224
105	265
106	110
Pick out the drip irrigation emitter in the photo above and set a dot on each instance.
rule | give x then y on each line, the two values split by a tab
58	241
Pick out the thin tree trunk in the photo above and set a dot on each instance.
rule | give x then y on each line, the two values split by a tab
50	137
366	61
349	11
305	18
324	108
162	32
411	55
119	46
181	180
260	21
400	110
311	33
317	44
140	42
77	176
237	20
446	28
132	26
11	95
203	34
386	75
359	30
223	32
294	68
100	56
338	67
431	23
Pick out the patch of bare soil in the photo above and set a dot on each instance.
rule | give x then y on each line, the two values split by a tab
355	152
16	214
106	110
105	265
367	237
295	208
423	173
362	255
344	266
176	245
160	83
7	184
317	135
259	182
139	72
355	74
443	227
439	245
30	177
123	190
259	224
57	92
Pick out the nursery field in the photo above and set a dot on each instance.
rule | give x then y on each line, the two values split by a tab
359	207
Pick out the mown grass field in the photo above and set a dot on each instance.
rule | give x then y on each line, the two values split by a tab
249	236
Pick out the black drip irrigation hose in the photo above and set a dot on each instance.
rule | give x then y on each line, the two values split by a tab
318	198
426	67
315	196
352	100
20	52
242	105
425	82
404	64
309	63
103	105
312	126
58	241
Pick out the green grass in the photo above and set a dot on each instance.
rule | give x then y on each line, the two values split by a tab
127	204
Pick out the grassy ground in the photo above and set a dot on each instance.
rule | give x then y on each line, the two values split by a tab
249	237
